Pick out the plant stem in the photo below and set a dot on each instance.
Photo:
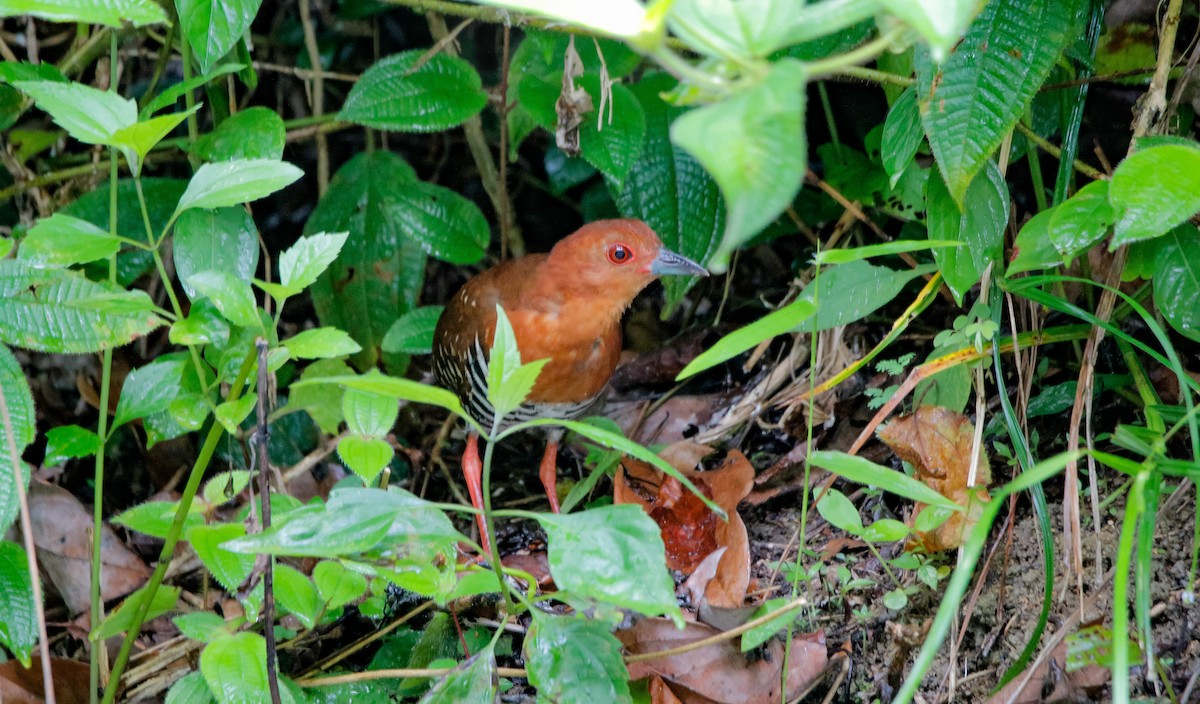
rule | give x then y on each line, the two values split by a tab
176	531
490	522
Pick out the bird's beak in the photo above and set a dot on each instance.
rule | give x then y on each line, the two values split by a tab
668	262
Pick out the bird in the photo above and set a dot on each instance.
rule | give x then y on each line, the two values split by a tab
564	306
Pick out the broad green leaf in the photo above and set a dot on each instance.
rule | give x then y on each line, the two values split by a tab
1177	280
369	413
670	190
203	325
323	403
939	22
22	419
365	456
171	94
135	141
63	240
778	322
225	487
318	533
89	115
230	414
68	442
980	226
235	668
1154	190
509	381
1033	248
398	94
154	518
748	29
415	521
613	554
412	333
212	27
404	389
321	343
235	182
229	568
308	258
623	19
849	292
223	239
111	13
755	637
838	511
337	585
203	626
472	682
760	160
164	600
148	390
380	271
296	593
253	133
902	135
446	225
18	617
13	71
161	195
230	294
972	99
611	139
573	659
845	256
864	471
885	530
1081	221
190	689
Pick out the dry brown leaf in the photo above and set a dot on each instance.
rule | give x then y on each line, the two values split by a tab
690	530
660	692
671	421
61	530
19	685
937	442
721	672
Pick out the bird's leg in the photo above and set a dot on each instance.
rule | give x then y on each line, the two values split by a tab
473	473
548	471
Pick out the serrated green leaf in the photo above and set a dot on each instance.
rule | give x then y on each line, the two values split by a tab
63	240
202	326
18	615
613	554
235	182
229	568
365	456
111	13
337	585
254	133
69	442
397	94
230	414
322	403
203	626
864	471
472	682
320	343
89	115
760	160
222	239
939	22
22	419
121	619
775	323
1154	190
148	389
296	593
369	413
190	689
231	295
446	225
849	292
412	333
225	487
980	226
902	135
212	27
136	140
154	518
572	659
1177	280
973	98
235	668
302	263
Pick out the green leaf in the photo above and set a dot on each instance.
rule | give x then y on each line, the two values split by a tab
235	182
68	442
939	22
369	413
111	13
229	568
161	195
322	402
670	190
758	635
337	585
253	133
317	533
235	668
212	27
154	518
1033	248
778	322
412	333
225	487
230	414
761	158
472	682
404	389
624	19
853	254
972	99
321	343
885	530
89	115
223	239
612	138
171	94
852	291
148	390
839	512
755	28
135	141
203	626
22	419
864	471
18	616
365	456
508	381
902	135
165	599
575	660
63	240
190	689
612	554
203	325
396	94
446	225
980	226
231	295
307	259
297	594
1154	190
1081	221
380	270
1177	280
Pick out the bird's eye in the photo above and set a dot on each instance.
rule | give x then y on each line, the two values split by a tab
619	253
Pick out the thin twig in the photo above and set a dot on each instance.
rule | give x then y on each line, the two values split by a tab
264	491
318	93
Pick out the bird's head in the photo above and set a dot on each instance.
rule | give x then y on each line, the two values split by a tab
615	260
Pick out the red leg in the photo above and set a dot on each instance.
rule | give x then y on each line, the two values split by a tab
548	473
473	473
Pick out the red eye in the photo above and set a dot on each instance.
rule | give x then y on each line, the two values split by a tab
619	253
